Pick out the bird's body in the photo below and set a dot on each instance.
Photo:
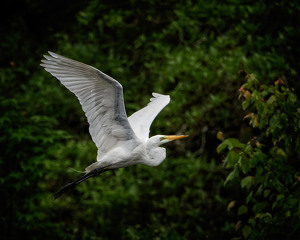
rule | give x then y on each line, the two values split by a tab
121	141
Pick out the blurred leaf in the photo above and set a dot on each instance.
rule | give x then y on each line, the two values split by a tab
246	230
232	175
247	182
258	207
242	210
231	159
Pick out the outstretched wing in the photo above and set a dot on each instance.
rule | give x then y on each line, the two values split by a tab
141	120
100	96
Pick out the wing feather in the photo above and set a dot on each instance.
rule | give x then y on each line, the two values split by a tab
141	120
100	96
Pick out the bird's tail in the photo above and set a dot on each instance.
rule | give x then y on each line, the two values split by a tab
93	173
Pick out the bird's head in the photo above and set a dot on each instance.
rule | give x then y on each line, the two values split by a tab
157	154
162	139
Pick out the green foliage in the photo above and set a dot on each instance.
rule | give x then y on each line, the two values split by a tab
267	167
191	50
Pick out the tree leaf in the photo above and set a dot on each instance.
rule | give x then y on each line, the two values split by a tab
234	143
246	230
231	159
245	165
258	207
252	222
271	99
232	175
242	210
267	193
247	182
292	97
249	197
266	218
222	146
231	143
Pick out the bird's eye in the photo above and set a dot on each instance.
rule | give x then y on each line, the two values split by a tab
162	138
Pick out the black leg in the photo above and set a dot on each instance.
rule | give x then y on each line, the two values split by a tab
93	173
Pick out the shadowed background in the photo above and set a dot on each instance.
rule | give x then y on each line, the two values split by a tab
191	50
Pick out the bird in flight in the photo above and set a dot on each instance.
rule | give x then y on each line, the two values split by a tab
121	141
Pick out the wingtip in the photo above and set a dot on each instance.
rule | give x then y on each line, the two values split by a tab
45	58
159	95
44	62
55	55
156	94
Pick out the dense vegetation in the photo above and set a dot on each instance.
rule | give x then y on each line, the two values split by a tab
195	51
267	166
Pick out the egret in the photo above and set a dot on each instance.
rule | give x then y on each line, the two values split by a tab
121	141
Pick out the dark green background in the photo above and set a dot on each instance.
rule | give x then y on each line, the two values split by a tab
191	50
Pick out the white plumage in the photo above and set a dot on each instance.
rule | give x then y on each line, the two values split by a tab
121	141
141	120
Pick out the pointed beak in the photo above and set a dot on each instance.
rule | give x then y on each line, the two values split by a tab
174	137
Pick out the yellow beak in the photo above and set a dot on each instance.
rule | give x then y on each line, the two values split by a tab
174	137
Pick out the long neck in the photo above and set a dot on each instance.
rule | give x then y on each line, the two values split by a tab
155	154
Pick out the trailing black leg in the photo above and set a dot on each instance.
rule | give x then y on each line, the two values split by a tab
93	173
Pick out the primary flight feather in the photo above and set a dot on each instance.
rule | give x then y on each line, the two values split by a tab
121	141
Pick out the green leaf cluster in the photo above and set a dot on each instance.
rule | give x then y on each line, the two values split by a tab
267	167
191	50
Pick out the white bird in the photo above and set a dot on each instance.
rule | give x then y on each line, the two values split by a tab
121	141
